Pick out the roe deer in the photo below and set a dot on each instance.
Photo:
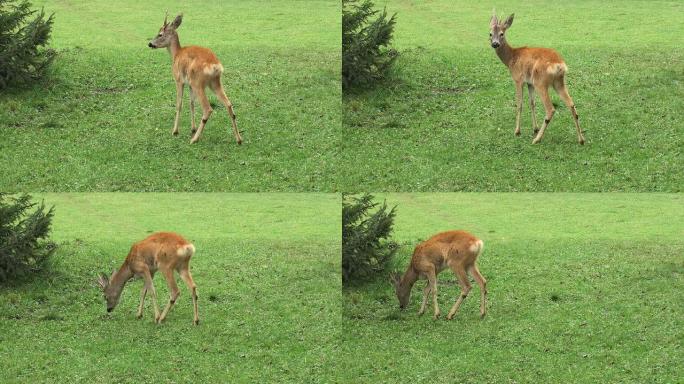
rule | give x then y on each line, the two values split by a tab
539	68
163	251
457	250
198	67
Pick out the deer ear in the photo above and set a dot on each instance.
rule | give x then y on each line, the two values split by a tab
509	21
102	280
177	21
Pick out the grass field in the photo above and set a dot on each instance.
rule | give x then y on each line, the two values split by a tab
446	120
582	288
103	121
268	277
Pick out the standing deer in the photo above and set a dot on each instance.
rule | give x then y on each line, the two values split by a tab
539	68
163	251
457	250
198	67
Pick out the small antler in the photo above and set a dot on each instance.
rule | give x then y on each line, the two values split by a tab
166	17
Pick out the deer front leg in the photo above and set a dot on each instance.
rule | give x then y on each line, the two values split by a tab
192	112
179	104
518	106
143	292
530	92
426	292
206	112
432	283
149	286
548	106
173	291
465	289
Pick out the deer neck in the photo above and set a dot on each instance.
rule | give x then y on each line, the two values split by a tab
505	53
410	277
120	278
174	47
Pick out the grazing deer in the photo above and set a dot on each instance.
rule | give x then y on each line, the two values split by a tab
457	250
198	67
163	251
539	68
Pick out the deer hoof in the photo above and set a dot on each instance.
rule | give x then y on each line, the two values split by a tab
517	132
175	133
139	316
482	315
195	322
581	141
239	141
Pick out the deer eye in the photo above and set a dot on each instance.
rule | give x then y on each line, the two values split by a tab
501	34
160	35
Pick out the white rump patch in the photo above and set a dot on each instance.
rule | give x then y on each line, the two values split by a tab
476	247
557	69
213	69
186	250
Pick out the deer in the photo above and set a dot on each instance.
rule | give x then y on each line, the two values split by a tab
163	251
197	67
457	250
539	68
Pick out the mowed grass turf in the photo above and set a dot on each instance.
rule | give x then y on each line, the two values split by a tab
582	288
445	119
103	120
268	278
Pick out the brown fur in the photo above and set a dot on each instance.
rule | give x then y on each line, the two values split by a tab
539	68
457	250
162	251
199	68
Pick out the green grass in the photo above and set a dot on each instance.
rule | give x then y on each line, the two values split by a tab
445	120
103	121
268	277
582	288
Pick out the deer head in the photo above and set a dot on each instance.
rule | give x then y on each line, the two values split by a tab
166	33
497	30
403	292
111	293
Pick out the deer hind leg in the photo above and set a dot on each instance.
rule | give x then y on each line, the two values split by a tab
173	291
218	89
465	289
179	104
192	112
426	292
149	286
206	111
482	282
518	106
530	92
562	90
187	278
143	292
548	106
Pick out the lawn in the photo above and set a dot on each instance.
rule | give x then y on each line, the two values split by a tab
103	120
445	119
582	288
267	269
